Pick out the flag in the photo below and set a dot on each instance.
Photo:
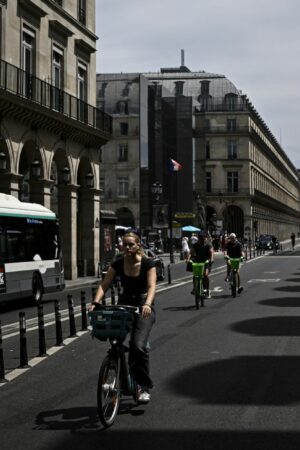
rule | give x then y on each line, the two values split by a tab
174	166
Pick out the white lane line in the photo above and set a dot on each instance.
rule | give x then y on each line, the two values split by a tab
38	359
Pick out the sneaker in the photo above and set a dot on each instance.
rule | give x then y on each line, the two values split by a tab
208	294
240	289
143	396
193	292
226	279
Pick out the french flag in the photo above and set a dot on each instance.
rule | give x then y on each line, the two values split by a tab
174	166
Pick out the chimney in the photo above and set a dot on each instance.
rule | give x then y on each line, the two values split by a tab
182	57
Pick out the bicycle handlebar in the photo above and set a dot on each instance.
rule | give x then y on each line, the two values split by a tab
133	309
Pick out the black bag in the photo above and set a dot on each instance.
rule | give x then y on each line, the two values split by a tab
189	266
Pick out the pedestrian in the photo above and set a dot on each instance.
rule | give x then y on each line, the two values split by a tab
138	280
193	239
293	239
185	248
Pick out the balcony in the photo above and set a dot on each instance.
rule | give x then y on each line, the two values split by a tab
49	104
221	129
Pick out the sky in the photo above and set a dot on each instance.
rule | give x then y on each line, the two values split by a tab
255	44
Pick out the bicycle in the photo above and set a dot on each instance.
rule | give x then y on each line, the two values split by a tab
198	273
113	323
233	276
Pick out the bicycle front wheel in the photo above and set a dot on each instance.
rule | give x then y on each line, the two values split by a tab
234	284
108	391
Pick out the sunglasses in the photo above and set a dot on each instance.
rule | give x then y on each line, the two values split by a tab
128	244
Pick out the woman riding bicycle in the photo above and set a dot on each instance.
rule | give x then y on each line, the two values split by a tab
202	252
138	279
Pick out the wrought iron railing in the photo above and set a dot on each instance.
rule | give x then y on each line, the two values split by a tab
26	85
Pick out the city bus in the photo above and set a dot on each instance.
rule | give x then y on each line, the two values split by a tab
30	254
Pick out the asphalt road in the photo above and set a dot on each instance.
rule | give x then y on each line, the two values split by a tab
226	376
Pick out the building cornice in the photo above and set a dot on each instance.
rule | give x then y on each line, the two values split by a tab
63	13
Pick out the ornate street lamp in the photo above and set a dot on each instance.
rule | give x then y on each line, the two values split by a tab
3	161
66	174
89	179
156	190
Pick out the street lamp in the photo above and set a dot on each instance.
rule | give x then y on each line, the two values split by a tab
89	179
156	190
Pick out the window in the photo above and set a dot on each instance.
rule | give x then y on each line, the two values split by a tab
232	149
28	60
232	182
206	124
124	128
231	102
123	187
57	77
231	124
123	152
205	87
207	150
102	187
82	11
82	91
208	181
179	87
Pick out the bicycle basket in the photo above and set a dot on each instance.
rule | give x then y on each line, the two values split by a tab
235	263
198	269
110	324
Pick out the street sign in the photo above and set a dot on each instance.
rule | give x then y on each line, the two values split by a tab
184	215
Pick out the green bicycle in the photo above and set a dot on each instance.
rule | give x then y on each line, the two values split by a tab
234	273
198	273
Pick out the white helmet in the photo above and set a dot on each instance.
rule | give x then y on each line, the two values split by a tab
232	236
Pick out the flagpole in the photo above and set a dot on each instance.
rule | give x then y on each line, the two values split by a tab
171	218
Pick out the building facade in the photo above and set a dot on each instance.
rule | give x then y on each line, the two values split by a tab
235	176
50	129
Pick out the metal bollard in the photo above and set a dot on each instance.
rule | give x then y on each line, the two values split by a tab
119	289
41	324
169	274
23	341
2	369
246	253
83	311
71	316
112	295
58	327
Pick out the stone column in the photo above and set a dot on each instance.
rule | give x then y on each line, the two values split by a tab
40	192
67	213
9	183
88	234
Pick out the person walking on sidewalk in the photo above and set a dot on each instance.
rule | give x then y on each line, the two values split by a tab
293	240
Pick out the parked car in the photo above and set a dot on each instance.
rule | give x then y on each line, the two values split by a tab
266	242
159	264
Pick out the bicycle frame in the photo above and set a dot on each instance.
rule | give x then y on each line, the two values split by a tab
233	277
198	274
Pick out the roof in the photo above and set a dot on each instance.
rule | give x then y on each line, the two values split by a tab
11	206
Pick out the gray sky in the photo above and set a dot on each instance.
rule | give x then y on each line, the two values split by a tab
255	44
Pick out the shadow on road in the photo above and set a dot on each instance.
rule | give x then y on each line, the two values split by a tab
269	326
287	289
241	380
282	302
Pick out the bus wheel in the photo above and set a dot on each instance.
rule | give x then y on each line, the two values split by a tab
37	288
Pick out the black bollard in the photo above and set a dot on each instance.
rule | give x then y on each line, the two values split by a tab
41	324
169	274
58	327
71	316
83	311
246	253
2	370
119	289
23	340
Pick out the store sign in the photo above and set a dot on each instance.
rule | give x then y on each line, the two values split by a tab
184	215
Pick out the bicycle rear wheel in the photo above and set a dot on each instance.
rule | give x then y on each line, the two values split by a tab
197	291
108	391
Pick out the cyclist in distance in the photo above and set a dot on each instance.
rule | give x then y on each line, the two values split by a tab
201	252
233	249
138	279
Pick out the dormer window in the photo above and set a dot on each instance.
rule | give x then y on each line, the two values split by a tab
179	87
205	87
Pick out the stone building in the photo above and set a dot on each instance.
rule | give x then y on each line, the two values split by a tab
50	129
239	179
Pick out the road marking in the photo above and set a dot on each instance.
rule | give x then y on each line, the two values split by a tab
38	359
264	280
217	289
